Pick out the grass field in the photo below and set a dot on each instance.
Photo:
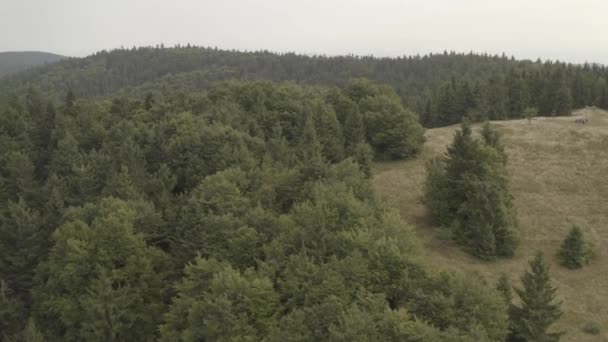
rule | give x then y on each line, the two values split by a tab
559	176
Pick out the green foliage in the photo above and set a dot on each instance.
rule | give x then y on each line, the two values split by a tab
538	309
100	282
392	131
467	191
218	303
504	287
456	85
31	333
23	242
363	154
575	251
530	113
242	213
592	328
435	187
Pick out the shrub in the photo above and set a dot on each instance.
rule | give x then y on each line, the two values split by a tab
592	328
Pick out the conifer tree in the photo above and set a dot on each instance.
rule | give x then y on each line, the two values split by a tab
329	133
471	196
24	244
575	252
312	156
363	154
493	138
354	131
504	287
538	309
563	100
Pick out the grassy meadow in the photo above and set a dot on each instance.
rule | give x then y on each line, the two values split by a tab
559	177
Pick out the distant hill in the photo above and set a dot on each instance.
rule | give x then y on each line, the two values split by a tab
15	61
441	88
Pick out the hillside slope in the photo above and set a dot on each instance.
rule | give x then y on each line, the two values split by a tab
15	61
558	172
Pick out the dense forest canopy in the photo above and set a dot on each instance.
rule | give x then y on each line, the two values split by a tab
442	88
247	207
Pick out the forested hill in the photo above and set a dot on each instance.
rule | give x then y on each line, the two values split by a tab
441	88
12	62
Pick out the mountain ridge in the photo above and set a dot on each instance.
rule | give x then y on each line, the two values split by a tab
12	62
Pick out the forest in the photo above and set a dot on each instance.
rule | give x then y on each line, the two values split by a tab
195	194
441	88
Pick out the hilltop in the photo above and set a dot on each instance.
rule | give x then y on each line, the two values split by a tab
16	61
557	172
441	88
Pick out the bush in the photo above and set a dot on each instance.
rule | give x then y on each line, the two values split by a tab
592	328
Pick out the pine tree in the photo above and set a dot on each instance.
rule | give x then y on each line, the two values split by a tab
472	197
354	131
24	244
517	93
313	162
363	154
575	252
563	100
504	287
493	138
70	98
329	132
538	309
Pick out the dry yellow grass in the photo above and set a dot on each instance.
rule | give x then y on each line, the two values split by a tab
559	176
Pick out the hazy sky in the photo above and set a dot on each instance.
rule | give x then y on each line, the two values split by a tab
571	30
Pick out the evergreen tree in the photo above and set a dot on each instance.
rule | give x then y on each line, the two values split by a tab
493	138
563	100
363	154
538	309
312	156
575	252
504	287
471	196
24	244
354	131
330	133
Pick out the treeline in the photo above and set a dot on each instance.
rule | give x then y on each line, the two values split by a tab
442	88
242	213
550	89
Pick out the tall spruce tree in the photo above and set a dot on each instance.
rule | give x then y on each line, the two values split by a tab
472	195
563	100
538	309
504	287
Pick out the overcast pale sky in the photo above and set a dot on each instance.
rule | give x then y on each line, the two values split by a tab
571	30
